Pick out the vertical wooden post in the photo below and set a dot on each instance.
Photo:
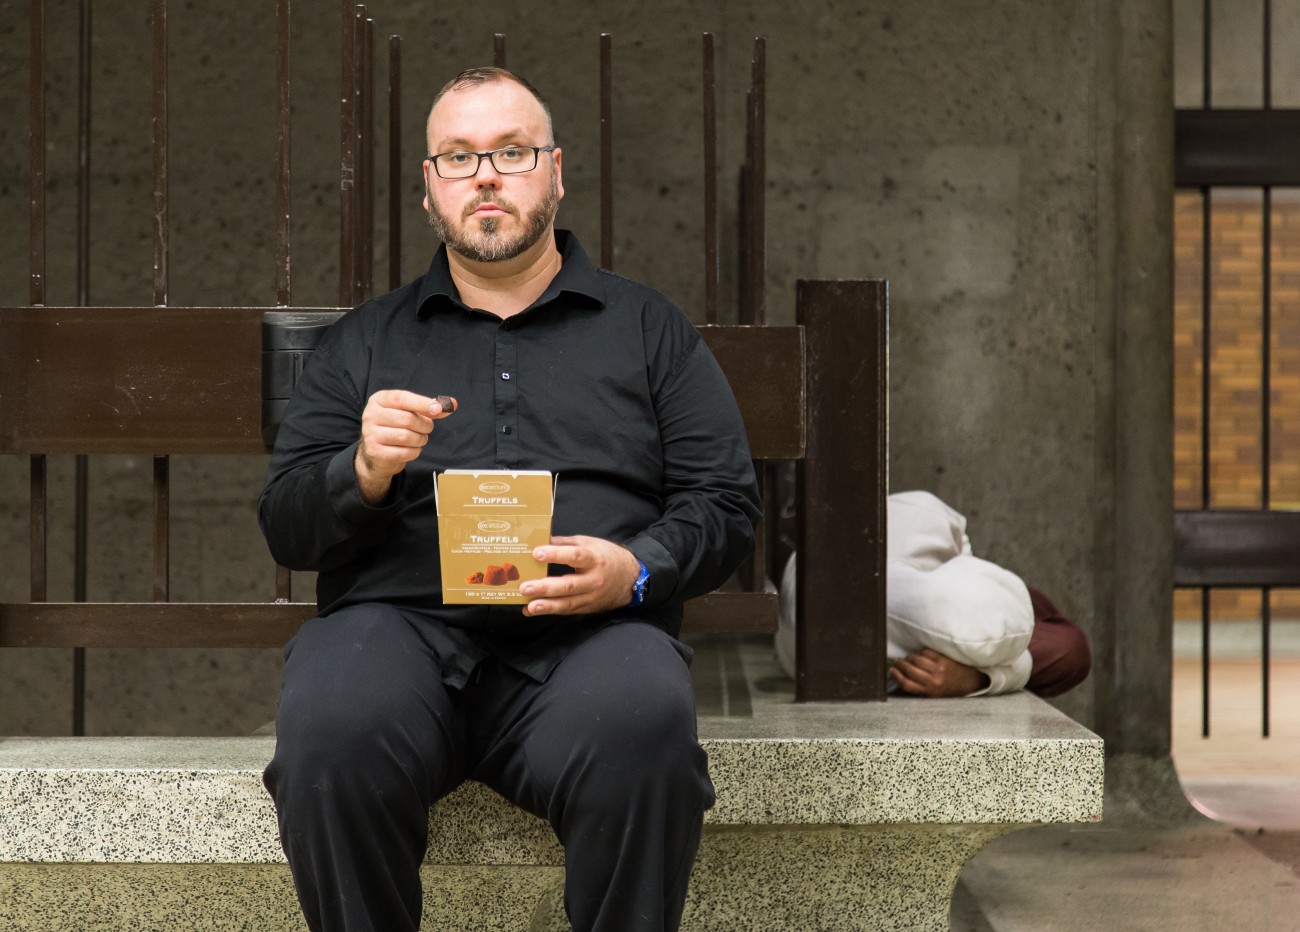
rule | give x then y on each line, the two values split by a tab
757	222
283	203
36	149
395	192
841	488
606	151
81	527
160	243
366	189
347	154
711	266
283	182
161	464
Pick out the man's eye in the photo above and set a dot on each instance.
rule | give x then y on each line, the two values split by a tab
510	155
457	158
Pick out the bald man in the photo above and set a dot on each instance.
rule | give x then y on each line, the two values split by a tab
511	352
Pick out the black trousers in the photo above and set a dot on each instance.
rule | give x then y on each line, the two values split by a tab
368	738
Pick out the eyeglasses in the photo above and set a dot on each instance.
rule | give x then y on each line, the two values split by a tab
511	160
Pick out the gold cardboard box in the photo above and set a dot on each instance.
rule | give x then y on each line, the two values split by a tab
489	521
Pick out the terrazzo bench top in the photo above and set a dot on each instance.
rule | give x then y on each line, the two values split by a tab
1000	760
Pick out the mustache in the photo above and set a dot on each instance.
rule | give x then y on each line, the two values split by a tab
486	198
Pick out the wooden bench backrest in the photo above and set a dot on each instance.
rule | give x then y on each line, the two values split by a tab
169	380
161	380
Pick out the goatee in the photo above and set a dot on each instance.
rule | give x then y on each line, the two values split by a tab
486	243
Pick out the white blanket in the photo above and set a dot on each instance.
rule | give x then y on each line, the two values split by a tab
940	595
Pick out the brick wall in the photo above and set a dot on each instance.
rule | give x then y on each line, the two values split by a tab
1236	359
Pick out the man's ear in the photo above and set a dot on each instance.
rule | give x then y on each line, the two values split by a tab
559	174
425	167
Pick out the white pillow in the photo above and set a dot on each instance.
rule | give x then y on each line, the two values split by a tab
924	531
938	594
968	609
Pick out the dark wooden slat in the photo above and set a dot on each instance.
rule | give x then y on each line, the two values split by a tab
499	49
1237	147
36	146
755	566
712	269
366	190
1207	344
841	485
1247	549
358	155
1206	656
283	183
1266	350
151	624
757	220
347	154
39	577
160	231
80	553
162	493
606	151
283	583
188	380
83	156
1207	54
1265	651
130	380
765	366
283	202
1266	58
395	190
732	613
271	624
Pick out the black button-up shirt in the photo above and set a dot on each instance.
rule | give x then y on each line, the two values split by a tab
602	381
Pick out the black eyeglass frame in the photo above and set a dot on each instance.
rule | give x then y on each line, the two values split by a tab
490	155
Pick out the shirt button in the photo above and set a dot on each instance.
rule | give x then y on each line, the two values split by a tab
505	429
505	376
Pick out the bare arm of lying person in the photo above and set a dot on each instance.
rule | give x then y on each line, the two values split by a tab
929	673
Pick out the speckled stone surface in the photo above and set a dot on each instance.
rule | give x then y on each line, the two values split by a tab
201	800
827	879
243	898
829	817
831	878
995	759
148	898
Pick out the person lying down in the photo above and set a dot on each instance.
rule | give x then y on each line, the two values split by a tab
957	625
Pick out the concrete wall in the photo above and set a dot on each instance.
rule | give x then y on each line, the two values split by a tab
1006	165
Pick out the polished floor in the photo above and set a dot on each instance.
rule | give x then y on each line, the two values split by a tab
1235	865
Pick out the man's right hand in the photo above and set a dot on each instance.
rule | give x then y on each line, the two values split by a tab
395	426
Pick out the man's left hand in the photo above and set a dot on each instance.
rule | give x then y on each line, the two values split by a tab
602	578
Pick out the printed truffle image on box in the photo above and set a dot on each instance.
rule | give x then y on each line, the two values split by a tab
489	521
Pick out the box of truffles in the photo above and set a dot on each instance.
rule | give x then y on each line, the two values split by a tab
489	521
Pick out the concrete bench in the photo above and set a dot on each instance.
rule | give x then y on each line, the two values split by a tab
829	817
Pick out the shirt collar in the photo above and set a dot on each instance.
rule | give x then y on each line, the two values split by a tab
577	276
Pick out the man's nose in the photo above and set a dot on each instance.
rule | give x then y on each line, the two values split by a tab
486	175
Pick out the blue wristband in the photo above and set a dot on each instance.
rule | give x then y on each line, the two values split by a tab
638	587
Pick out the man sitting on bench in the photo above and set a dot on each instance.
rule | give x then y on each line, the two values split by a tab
577	706
958	625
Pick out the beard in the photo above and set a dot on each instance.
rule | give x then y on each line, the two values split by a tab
487	243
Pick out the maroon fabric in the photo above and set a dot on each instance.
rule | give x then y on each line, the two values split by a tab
1059	648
